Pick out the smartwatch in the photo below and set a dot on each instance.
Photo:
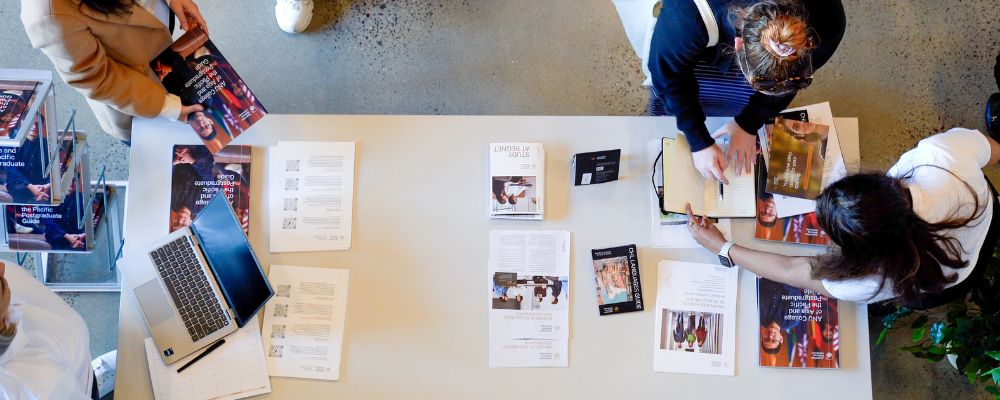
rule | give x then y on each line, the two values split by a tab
724	255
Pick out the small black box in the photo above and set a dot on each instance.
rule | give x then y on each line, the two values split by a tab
596	167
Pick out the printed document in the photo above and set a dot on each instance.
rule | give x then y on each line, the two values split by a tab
695	316
233	371
529	298
311	194
834	167
304	322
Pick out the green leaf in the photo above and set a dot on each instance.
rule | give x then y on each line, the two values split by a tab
881	336
919	322
972	377
913	349
992	371
996	377
918	334
936	350
994	355
993	390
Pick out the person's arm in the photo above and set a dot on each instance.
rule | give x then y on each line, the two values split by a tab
794	271
679	37
994	151
84	64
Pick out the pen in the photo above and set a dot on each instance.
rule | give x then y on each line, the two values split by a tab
203	354
721	191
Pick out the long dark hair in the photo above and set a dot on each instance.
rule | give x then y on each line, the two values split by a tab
118	7
870	217
786	23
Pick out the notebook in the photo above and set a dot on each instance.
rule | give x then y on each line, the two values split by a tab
682	183
235	370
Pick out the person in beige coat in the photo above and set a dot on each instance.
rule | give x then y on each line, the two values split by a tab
103	49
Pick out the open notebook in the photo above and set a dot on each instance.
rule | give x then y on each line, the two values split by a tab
235	370
682	183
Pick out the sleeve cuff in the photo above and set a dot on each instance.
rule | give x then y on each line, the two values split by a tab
171	108
748	124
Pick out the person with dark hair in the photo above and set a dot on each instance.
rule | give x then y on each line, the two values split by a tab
679	330
736	58
26	180
918	235
103	49
556	285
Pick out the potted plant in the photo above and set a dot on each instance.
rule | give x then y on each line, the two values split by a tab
966	331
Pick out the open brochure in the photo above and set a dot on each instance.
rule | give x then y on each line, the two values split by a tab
683	184
517	181
193	69
695	311
528	274
799	328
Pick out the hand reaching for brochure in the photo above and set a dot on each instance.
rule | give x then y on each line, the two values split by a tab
75	241
186	111
188	14
711	163
742	147
705	232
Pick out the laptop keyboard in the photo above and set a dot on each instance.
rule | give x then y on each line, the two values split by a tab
189	288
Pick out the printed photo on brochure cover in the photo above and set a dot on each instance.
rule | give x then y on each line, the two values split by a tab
691	331
15	101
797	151
799	328
48	228
193	69
512	291
198	175
25	177
800	229
514	194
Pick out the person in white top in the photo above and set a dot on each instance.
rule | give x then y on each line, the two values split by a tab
44	344
913	236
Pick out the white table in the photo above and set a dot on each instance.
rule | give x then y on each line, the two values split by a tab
417	313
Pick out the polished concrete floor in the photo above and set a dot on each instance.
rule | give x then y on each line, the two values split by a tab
906	68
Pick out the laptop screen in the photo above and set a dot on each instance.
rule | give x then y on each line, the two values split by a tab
231	259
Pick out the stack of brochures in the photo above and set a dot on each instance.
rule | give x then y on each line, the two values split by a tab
800	156
517	181
45	191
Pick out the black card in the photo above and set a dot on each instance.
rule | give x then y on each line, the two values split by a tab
616	273
596	167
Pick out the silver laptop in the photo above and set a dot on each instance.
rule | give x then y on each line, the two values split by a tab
197	284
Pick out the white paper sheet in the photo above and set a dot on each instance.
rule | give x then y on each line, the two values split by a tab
304	322
695	330
528	284
233	371
311	196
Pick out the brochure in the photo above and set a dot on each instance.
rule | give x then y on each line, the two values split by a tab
198	175
517	181
23	94
695	330
799	328
616	273
797	151
800	229
196	71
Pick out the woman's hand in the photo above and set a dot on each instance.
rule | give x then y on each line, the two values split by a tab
742	147
704	232
187	12
711	163
40	192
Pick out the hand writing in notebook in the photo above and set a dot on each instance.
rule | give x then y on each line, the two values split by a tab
705	232
711	162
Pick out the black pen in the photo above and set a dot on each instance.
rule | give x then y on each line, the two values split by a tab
721	196
204	353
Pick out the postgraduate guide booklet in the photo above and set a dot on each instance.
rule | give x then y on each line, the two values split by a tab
193	69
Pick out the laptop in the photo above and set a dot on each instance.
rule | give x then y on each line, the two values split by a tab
197	284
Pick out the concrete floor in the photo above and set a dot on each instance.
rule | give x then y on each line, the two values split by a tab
906	68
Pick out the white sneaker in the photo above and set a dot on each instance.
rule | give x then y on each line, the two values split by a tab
104	368
293	15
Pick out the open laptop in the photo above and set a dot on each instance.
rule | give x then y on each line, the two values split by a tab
197	284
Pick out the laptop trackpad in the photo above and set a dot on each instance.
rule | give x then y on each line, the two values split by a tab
155	302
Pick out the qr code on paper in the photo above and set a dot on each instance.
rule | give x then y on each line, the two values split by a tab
277	331
291	183
276	351
291	165
292	204
282	290
281	310
289	223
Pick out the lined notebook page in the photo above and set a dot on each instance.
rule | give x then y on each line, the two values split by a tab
739	196
234	371
683	182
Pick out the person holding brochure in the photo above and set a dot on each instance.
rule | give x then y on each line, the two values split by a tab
103	48
918	235
748	61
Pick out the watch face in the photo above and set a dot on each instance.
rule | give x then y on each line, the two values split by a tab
725	262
